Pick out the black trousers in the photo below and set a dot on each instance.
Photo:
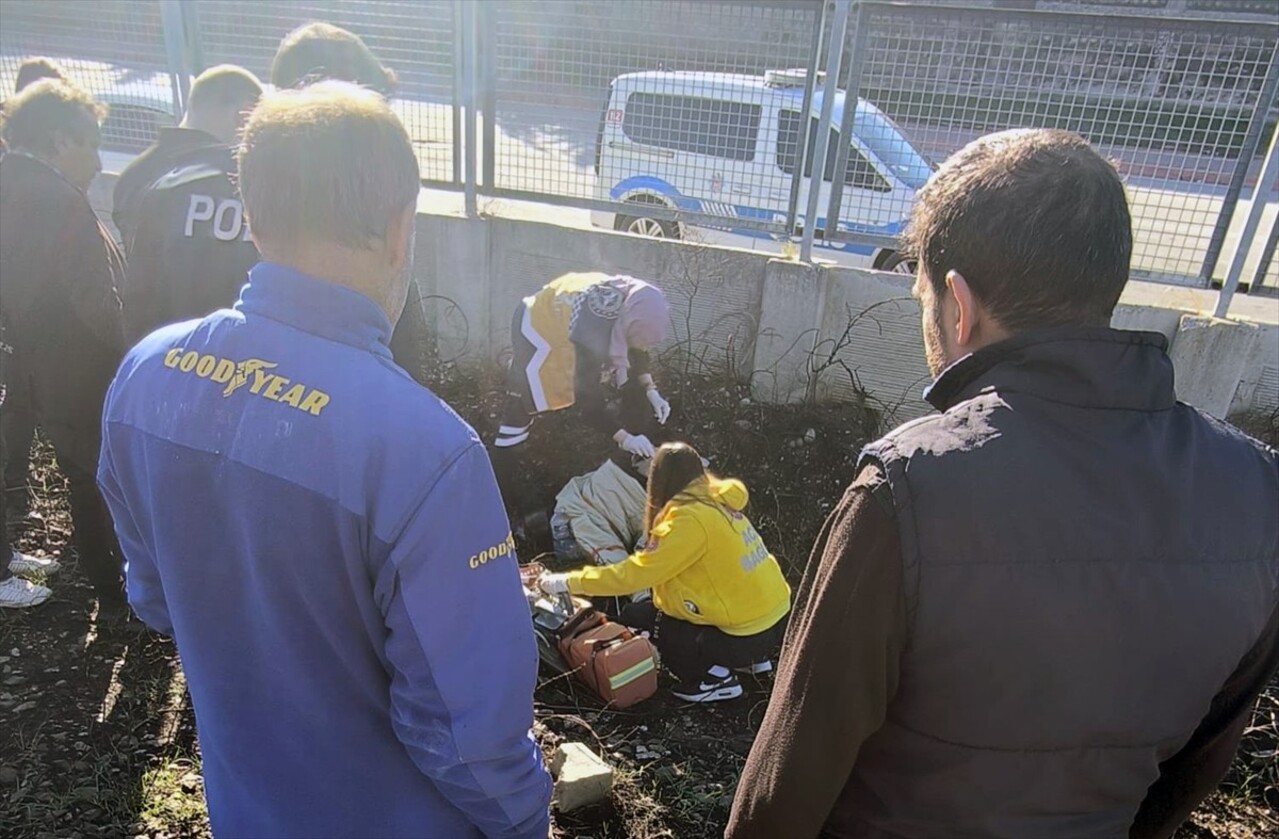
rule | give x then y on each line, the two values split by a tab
18	428
93	535
689	650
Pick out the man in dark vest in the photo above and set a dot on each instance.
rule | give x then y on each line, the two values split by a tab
1040	612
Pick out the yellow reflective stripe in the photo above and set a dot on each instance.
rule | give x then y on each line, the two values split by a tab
631	673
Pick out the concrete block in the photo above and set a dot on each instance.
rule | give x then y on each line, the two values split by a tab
1146	319
452	269
1209	357
1259	384
874	317
581	777
790	319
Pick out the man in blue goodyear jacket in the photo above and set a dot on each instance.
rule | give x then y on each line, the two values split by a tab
323	537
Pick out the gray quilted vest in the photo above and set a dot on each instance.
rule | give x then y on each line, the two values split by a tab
1086	560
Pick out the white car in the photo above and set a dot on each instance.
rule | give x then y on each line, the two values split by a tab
726	145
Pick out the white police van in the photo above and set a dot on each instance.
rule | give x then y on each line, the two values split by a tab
726	145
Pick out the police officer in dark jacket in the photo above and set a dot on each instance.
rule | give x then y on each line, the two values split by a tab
59	270
177	209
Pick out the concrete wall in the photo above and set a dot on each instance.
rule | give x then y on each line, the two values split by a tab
795	330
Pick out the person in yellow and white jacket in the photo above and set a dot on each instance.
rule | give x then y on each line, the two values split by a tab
719	597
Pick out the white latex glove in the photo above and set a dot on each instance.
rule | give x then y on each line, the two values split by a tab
637	444
661	408
553	583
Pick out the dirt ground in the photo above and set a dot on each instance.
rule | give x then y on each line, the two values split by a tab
98	738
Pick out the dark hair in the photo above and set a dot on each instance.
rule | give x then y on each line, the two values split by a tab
1036	222
675	466
48	107
317	51
34	69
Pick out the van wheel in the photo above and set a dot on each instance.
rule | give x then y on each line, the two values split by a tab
642	225
896	263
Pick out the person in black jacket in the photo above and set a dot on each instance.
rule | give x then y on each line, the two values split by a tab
186	236
59	271
318	51
217	106
19	425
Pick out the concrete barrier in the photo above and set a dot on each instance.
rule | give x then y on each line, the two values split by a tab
795	331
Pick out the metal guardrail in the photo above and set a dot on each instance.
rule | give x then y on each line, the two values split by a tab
663	117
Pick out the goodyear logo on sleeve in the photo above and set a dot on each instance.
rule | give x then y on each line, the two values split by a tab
504	548
251	373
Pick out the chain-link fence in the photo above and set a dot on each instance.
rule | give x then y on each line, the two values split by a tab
705	119
414	38
114	48
641	107
1178	105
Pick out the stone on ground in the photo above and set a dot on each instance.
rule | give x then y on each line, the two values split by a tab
581	777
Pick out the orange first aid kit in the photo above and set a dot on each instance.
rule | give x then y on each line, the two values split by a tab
575	637
615	663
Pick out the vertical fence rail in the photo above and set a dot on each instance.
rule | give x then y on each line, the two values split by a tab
1266	265
468	23
851	87
806	106
175	49
1267	180
1251	143
834	57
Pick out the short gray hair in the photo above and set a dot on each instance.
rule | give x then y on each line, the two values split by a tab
331	161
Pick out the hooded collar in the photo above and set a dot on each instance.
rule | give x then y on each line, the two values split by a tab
1084	366
316	306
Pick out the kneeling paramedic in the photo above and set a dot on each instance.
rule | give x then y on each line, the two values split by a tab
719	598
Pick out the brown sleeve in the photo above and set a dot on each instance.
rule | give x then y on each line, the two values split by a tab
837	674
1189	776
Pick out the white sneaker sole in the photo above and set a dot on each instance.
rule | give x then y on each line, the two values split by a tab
716	695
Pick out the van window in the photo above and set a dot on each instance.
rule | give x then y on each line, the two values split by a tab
690	123
861	173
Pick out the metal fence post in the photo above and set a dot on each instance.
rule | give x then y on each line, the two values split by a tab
459	48
1251	142
470	138
1265	183
486	64
834	57
1267	254
801	158
175	52
855	61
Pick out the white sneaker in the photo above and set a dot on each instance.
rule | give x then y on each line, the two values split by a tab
17	593
23	564
717	685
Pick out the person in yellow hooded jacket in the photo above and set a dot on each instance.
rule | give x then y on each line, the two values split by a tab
719	597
